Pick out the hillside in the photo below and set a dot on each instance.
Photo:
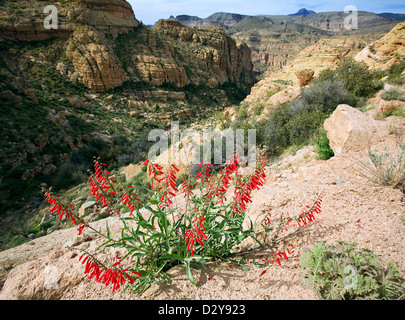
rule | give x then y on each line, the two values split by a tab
96	86
387	51
276	40
354	211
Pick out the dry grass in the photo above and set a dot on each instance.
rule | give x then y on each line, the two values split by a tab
386	168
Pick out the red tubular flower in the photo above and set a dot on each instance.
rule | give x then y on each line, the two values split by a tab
243	189
80	229
114	275
186	189
195	234
59	208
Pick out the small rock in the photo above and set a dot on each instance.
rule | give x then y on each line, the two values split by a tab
86	205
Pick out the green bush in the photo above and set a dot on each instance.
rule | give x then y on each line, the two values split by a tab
325	96
357	77
295	123
302	126
395	73
344	272
274	135
322	146
393	94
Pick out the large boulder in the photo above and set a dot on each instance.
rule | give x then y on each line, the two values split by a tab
349	129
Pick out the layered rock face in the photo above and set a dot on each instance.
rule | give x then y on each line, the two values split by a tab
107	46
386	51
224	58
94	63
27	23
84	24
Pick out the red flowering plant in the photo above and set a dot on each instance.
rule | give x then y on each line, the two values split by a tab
182	224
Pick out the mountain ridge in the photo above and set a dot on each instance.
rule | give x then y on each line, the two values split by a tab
302	12
307	17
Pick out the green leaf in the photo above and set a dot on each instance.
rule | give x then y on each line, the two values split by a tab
260	244
103	245
172	257
108	229
188	271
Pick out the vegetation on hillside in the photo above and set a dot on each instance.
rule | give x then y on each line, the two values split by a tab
53	127
296	123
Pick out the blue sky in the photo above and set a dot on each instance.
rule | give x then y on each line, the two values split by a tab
149	11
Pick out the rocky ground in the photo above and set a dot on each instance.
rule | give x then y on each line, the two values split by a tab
354	210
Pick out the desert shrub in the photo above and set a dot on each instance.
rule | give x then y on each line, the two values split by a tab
395	73
393	94
209	228
359	80
321	143
242	114
345	272
296	122
302	126
258	109
275	134
385	168
326	95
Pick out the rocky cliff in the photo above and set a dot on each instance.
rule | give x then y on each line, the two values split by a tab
276	40
386	51
91	29
225	59
24	20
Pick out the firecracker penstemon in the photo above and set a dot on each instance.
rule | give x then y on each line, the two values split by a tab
206	226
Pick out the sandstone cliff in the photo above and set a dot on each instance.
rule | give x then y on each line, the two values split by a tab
25	21
96	32
386	51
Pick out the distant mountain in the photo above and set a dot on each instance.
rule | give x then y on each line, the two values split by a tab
221	19
186	18
277	39
302	12
327	21
396	16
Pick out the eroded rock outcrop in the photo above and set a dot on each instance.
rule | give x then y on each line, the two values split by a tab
386	51
93	60
106	46
27	24
224	58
